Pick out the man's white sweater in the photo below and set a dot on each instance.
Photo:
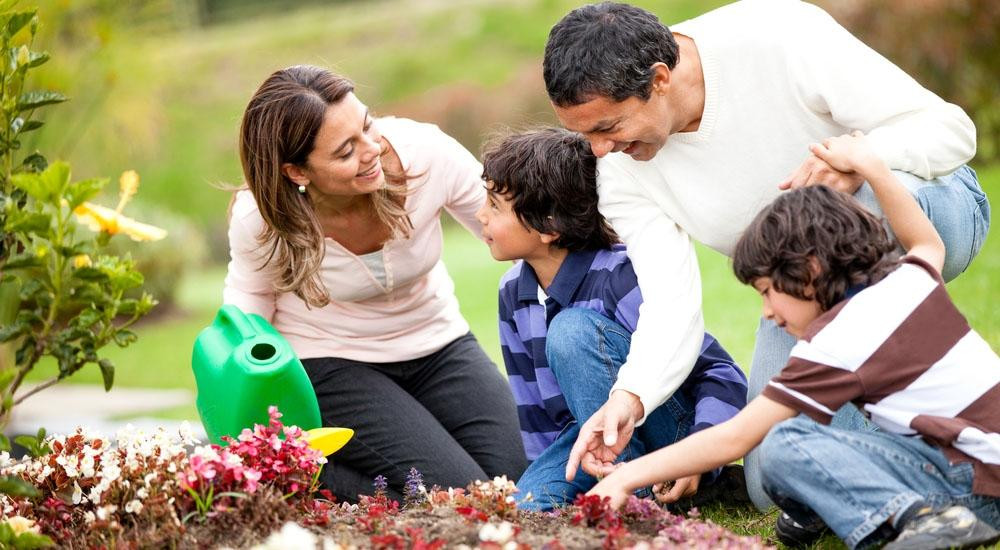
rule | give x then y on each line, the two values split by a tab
778	75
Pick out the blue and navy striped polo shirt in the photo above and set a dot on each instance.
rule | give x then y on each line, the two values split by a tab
603	281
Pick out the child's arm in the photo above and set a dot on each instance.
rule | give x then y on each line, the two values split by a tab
703	451
718	389
911	226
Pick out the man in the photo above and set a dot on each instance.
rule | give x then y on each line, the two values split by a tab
700	128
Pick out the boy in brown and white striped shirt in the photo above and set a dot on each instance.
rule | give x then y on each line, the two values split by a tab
875	331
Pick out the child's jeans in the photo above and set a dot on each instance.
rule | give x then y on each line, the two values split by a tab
856	481
584	349
957	206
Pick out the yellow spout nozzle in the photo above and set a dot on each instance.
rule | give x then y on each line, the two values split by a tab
328	440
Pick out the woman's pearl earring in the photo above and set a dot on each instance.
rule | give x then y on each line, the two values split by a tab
302	189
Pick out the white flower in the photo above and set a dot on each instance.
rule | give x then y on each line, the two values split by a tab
89	516
187	434
330	545
290	536
104	511
232	459
77	493
69	464
206	452
133	507
87	465
142	493
499	533
46	471
110	472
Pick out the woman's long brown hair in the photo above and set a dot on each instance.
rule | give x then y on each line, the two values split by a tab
279	126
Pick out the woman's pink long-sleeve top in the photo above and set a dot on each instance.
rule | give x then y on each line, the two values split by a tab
416	312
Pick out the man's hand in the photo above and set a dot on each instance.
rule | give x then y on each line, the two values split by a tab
604	435
848	153
816	171
683	487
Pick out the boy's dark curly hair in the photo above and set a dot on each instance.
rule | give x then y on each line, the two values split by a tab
550	178
849	243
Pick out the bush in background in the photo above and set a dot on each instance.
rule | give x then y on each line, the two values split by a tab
164	263
949	46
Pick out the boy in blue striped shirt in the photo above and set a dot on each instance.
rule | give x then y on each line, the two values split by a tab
567	312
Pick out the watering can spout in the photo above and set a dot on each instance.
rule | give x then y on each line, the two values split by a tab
328	440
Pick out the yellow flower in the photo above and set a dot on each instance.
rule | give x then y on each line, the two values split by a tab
128	184
21	524
81	260
102	218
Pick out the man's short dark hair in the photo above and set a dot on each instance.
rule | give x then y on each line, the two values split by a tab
550	178
605	50
850	244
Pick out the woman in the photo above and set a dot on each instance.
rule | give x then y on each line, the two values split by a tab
337	242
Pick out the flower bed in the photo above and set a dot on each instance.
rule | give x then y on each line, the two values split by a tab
260	488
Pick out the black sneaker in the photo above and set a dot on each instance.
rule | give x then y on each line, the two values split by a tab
729	489
955	527
796	535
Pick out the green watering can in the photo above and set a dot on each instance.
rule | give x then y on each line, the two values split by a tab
242	366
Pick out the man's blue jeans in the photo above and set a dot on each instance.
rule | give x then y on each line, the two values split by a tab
856	481
961	214
585	350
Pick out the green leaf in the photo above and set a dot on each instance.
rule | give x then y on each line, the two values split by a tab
32	184
6	377
36	99
4	443
34	162
22	261
7	4
37	58
107	373
32	541
11	331
29	126
128	306
90	274
15	486
29	222
87	318
18	21
125	337
79	192
47	186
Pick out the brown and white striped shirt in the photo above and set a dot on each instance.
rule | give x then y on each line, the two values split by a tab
902	352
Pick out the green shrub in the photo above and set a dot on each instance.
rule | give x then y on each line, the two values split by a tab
949	46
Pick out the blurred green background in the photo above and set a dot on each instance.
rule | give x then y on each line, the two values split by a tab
159	86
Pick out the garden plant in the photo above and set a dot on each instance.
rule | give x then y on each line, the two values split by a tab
60	296
259	489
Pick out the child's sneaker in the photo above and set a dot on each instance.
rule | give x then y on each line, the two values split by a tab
796	535
954	527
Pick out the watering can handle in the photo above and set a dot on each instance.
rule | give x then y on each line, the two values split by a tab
234	316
